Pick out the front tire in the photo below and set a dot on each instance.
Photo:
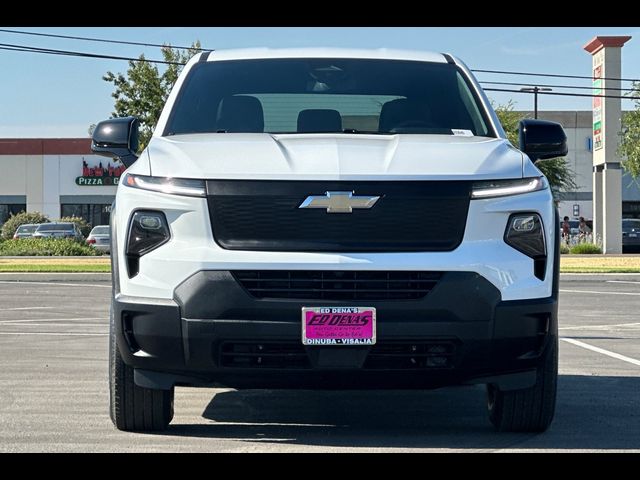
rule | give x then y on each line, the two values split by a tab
133	408
529	409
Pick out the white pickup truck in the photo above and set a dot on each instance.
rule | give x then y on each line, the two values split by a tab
328	218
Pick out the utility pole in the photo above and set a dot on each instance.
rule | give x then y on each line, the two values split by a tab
535	91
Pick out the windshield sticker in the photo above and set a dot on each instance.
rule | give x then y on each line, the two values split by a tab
461	133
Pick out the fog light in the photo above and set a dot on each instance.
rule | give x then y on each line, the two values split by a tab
524	224
525	234
147	231
150	222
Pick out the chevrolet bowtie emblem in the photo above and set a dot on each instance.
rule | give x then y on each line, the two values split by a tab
339	202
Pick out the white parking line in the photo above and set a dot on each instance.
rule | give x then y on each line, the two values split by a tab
601	293
623	281
57	334
598	327
624	358
53	284
52	320
51	324
27	308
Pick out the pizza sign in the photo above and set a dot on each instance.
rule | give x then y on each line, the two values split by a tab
100	175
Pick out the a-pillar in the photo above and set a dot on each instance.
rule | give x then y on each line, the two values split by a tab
606	54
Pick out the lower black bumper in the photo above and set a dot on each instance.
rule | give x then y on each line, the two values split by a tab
215	332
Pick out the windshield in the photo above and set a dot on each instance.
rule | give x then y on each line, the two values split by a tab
49	227
327	96
100	231
27	228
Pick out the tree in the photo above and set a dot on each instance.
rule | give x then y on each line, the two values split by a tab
143	91
558	173
629	147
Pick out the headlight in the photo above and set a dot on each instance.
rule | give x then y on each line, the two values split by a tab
173	186
500	188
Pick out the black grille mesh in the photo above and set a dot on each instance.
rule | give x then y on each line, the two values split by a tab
390	355
337	285
409	216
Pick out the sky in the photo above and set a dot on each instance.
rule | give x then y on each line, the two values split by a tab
57	96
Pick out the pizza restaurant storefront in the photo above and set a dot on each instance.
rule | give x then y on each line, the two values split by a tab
58	177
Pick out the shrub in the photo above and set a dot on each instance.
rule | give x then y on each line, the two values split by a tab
564	248
82	224
46	247
585	248
11	225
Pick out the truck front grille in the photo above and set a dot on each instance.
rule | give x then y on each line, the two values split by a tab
337	285
411	216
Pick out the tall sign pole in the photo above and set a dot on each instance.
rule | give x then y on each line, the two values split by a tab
606	54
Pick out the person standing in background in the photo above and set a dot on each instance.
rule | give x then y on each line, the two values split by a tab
583	228
566	229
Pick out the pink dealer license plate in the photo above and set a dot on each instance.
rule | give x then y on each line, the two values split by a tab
338	325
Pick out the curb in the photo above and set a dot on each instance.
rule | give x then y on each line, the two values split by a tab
598	277
55	277
55	257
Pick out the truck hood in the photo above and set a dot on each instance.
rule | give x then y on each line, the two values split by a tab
333	157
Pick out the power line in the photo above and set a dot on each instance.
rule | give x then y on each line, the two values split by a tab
94	39
562	94
52	51
557	86
556	75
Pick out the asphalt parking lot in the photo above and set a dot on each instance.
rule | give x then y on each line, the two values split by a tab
54	392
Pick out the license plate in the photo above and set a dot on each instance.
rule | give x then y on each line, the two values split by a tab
338	325
633	235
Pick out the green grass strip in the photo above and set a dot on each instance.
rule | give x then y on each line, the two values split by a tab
62	268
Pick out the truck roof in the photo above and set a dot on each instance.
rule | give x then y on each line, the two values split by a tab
381	53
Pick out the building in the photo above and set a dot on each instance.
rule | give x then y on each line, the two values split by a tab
579	203
57	177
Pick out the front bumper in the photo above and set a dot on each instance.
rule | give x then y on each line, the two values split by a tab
213	332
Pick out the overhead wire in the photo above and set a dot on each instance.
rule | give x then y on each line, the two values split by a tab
53	51
554	75
576	87
623	97
95	39
148	44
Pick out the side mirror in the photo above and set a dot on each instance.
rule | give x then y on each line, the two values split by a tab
541	139
117	138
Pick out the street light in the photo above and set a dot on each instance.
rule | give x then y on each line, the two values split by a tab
535	91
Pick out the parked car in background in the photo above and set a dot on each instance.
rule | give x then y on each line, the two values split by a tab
100	238
630	234
58	230
25	231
